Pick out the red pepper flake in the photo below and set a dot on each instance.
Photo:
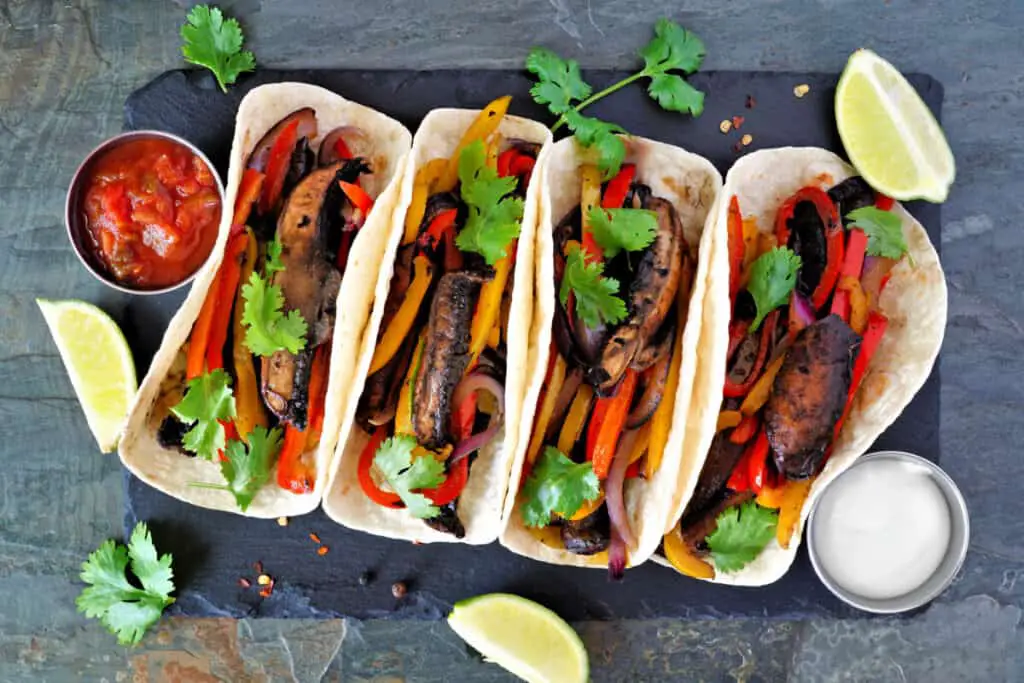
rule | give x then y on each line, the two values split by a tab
751	102
399	589
322	550
738	147
314	538
244	582
737	122
267	589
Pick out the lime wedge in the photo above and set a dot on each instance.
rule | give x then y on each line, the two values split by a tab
889	133
99	363
521	636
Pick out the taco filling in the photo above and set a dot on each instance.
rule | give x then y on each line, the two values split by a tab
435	394
251	392
803	329
623	271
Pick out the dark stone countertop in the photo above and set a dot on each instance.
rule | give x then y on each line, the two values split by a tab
66	68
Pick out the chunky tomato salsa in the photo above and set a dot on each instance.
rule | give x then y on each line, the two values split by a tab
152	211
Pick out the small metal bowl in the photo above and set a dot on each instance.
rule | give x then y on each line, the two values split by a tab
74	216
959	537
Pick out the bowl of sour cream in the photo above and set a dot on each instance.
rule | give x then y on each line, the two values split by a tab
890	533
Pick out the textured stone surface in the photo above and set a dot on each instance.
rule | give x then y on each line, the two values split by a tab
66	68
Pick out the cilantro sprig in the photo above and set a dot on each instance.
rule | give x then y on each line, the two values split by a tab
267	328
126	609
273	263
557	484
741	534
596	296
247	470
772	279
406	473
495	217
884	230
212	41
622	229
208	401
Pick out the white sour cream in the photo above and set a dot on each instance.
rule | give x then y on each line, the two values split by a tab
882	529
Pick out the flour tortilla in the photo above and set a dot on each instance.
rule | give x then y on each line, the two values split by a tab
481	503
692	184
385	144
914	301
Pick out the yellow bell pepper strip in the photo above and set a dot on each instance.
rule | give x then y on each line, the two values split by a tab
488	307
771	496
745	430
400	325
590	196
483	127
683	559
643	440
588	508
423	186
547	406
606	424
494	337
492	147
317	395
661	421
750	241
762	389
579	410
728	419
793	496
249	412
403	414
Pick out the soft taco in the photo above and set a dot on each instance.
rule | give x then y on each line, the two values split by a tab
620	288
230	414
824	313
430	427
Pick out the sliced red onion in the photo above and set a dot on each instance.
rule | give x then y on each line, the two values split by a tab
307	129
616	556
353	137
478	381
802	308
615	500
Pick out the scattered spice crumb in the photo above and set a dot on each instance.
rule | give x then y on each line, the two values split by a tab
747	139
366	578
263	580
737	148
268	589
801	90
282	521
314	538
725	126
737	122
244	582
751	102
398	589
258	566
322	550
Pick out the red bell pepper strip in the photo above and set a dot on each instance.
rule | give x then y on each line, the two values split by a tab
757	463
230	433
829	278
733	390
606	424
737	332
277	166
358	196
341	149
366	482
853	260
438	227
745	430
505	162
452	486
739	478
884	202
228	275
736	247
317	393
633	470
292	473
248	194
877	324
618	187
826	211
841	304
522	165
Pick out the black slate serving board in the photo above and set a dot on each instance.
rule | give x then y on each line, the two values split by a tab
212	550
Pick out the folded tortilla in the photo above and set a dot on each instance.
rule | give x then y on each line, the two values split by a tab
914	301
691	183
481	503
385	144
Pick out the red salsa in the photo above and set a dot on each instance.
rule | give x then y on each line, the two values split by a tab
152	211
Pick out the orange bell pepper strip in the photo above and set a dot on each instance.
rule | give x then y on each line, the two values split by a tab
618	187
858	303
402	323
606	424
317	394
751	243
249	411
682	558
745	430
556	377
575	419
762	389
737	248
294	471
794	494
440	228
229	274
424	184
588	508
358	196
728	419
485	124
772	496
488	307
248	194
366	482
277	166
590	196
195	360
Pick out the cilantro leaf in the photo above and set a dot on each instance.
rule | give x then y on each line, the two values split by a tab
772	279
267	329
247	472
404	473
673	48
673	93
618	229
741	534
207	401
602	137
557	484
124	609
595	295
559	80
273	263
495	218
216	43
884	230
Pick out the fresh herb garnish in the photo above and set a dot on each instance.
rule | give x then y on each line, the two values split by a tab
267	328
560	82
123	608
602	137
557	484
247	472
741	534
495	217
208	400
273	262
618	229
772	279
673	48
405	472
216	43
595	295
884	230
